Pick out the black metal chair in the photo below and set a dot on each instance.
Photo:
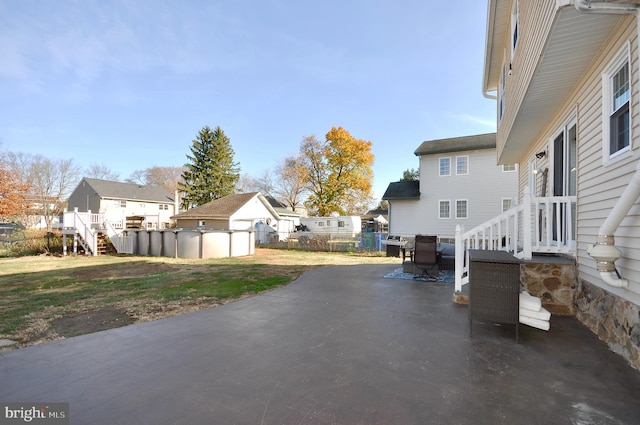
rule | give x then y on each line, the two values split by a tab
425	255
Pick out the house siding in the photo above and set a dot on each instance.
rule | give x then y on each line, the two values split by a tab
85	198
535	20
250	213
402	217
192	223
612	313
598	186
484	188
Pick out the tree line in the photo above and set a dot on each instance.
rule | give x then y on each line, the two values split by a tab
330	175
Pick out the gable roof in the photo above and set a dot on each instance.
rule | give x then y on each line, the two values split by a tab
225	207
457	144
403	190
128	191
281	208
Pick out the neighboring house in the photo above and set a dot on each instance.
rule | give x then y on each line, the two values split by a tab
376	220
243	211
566	79
288	219
460	184
403	198
142	205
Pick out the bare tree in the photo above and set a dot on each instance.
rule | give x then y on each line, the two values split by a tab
50	182
167	178
102	172
290	185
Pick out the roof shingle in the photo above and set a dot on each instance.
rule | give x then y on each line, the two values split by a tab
457	144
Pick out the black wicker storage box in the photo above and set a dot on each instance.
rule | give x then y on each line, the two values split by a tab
494	288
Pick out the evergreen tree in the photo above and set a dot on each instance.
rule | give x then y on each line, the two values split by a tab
211	172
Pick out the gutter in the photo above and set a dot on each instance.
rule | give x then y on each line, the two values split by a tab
587	6
491	6
604	250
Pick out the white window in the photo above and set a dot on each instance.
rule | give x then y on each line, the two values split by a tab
461	208
445	166
462	165
514	26
123	204
444	209
507	168
616	95
506	204
321	224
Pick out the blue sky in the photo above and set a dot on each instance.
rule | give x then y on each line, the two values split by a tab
129	84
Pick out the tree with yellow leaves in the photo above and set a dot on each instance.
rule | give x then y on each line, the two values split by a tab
338	173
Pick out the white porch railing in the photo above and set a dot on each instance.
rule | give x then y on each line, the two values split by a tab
537	225
85	226
81	224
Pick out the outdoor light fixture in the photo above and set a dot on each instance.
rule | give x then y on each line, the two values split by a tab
541	155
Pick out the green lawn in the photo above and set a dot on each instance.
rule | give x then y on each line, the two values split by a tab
36	292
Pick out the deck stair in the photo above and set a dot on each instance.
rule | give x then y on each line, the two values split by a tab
94	234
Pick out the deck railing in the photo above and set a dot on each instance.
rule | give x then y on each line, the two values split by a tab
81	223
86	224
536	225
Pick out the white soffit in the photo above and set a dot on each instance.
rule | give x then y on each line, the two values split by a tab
572	45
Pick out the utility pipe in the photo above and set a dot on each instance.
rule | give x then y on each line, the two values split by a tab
587	6
604	251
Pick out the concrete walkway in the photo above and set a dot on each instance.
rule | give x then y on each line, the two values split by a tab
341	345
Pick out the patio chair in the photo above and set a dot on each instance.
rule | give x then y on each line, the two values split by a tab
425	255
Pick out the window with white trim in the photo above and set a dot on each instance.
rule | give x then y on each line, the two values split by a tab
462	165
507	168
445	166
616	119
506	204
444	209
461	208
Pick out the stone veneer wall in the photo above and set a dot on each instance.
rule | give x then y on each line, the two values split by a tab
616	321
554	282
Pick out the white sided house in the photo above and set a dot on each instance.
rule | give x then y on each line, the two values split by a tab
566	79
99	212
460	184
145	206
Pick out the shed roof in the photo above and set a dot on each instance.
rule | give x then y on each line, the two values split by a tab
402	190
128	191
225	207
457	144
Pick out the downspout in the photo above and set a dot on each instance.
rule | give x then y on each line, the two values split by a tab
604	251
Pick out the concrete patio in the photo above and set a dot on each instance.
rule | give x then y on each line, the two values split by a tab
340	345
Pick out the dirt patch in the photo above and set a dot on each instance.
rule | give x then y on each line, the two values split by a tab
93	321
